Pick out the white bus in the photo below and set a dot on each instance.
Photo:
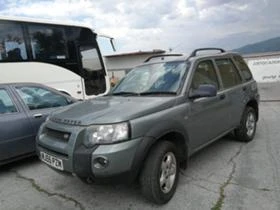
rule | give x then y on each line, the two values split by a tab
63	56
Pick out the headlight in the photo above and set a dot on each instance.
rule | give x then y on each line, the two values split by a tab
106	134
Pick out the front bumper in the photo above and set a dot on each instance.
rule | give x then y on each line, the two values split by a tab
122	159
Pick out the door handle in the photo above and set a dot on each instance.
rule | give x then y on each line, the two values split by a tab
37	115
79	92
222	97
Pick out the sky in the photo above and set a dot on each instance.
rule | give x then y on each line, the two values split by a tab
177	25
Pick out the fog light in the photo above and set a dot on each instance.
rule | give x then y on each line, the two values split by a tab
100	162
66	136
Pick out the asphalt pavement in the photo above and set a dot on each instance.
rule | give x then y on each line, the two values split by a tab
269	91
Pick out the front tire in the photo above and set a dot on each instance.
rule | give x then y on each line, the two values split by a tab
247	128
159	176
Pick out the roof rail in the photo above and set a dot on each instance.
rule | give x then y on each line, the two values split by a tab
204	49
163	55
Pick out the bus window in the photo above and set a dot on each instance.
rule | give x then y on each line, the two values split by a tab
92	69
12	46
47	42
90	59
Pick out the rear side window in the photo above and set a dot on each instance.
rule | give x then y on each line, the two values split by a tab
205	74
12	45
6	103
243	67
229	74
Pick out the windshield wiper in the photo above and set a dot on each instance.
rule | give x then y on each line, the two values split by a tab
158	93
123	93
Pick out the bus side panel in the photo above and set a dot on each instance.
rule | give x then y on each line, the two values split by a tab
47	74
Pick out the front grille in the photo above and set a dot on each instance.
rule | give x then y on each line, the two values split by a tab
66	121
64	136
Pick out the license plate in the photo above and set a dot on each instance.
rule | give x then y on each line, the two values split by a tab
51	160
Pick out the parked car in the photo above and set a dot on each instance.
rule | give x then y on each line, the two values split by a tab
23	108
160	114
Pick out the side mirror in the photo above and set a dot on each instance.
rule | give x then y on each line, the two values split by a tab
206	90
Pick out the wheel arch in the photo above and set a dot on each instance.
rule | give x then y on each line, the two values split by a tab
176	137
254	104
179	140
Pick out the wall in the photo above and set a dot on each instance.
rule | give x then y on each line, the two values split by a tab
266	71
265	67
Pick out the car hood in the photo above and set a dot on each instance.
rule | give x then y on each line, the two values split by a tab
111	109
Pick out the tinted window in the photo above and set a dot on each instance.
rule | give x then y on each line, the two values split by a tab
12	45
228	72
90	58
6	103
40	98
243	67
93	74
205	74
47	42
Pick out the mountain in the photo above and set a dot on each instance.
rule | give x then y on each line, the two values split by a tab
270	45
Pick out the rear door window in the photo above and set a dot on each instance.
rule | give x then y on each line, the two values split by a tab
229	74
6	103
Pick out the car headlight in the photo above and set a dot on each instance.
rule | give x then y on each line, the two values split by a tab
106	134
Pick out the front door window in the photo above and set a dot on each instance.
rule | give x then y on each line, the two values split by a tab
205	74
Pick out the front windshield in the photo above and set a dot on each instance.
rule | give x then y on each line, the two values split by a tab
153	78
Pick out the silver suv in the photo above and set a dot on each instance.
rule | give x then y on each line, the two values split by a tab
160	114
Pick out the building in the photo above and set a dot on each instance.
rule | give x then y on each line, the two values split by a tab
118	65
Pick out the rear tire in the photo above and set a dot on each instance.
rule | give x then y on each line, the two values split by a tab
247	128
159	176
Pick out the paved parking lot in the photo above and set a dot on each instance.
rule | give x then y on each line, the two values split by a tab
225	175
